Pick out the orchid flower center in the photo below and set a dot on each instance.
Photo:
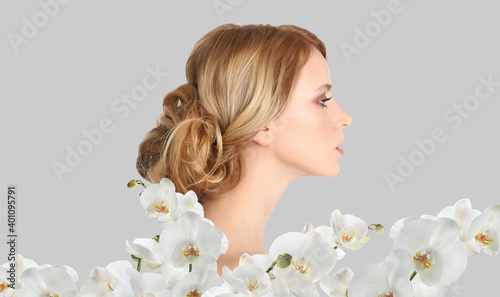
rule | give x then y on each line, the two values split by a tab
3	287
191	252
388	294
50	294
347	237
194	293
110	287
302	265
424	259
252	286
162	208
484	238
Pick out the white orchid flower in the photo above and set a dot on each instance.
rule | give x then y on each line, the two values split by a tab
421	290
225	290
196	283
402	260
186	202
160	200
290	283
337	284
258	260
50	280
148	250
311	255
326	233
191	236
248	280
173	275
134	284
484	232
462	213
103	280
348	231
438	254
380	279
396	227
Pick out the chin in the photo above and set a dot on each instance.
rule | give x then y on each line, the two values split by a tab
333	171
327	172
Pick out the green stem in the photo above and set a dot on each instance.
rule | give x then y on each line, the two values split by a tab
139	261
190	267
141	183
271	267
413	275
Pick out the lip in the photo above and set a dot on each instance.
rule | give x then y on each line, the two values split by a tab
339	149
340	142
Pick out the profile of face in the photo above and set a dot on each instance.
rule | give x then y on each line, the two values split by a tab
304	138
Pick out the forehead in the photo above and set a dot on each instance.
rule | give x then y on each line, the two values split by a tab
314	74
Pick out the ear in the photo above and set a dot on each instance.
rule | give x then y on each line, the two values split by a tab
263	137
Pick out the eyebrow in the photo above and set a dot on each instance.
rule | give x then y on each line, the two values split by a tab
327	87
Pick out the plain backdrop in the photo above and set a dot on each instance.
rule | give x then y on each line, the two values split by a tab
420	63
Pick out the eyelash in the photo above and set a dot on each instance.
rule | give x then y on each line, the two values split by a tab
322	102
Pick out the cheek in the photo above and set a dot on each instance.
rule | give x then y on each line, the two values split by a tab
310	130
304	129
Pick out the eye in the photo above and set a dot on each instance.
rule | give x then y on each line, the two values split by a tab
324	100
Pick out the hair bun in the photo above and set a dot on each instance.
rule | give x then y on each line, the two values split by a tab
178	105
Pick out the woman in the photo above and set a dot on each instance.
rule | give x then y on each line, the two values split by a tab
252	117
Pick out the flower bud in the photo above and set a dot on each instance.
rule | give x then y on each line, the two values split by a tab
379	228
367	237
284	260
131	184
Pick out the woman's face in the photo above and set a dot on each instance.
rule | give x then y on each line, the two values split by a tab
305	137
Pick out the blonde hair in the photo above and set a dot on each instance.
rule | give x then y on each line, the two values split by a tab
239	78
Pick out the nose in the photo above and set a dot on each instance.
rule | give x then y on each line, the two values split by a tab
348	120
343	119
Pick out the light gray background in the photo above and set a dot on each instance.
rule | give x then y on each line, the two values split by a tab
65	79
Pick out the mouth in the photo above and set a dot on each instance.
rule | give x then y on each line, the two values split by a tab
339	149
341	142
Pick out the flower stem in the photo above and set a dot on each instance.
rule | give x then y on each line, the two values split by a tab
139	182
190	267
271	267
139	261
413	275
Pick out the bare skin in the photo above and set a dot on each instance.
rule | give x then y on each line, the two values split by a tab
301	142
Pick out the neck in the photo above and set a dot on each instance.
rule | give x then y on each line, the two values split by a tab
242	213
